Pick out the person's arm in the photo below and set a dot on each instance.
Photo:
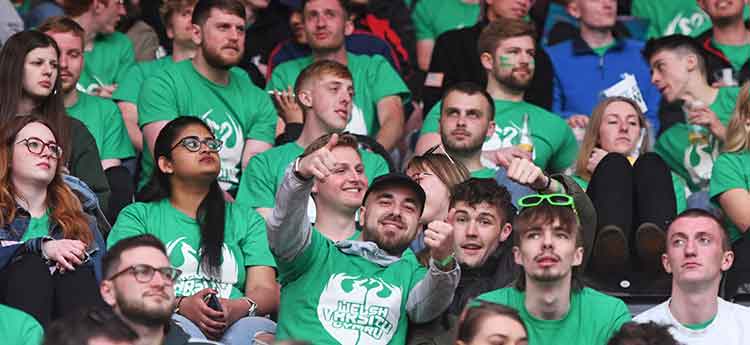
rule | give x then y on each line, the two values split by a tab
288	227
112	162
391	117
261	288
735	203
424	53
130	118
252	148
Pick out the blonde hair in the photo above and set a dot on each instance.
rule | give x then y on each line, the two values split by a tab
591	138
738	131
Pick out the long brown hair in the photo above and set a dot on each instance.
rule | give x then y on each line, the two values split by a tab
66	209
591	138
738	131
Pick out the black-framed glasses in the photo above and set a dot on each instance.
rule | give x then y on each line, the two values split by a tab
193	144
36	146
554	199
144	273
434	150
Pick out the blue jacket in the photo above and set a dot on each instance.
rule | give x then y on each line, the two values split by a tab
581	75
15	230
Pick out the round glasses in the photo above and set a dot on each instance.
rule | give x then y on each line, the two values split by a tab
145	273
193	144
36	146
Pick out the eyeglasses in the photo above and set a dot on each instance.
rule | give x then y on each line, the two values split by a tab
555	199
193	144
433	150
36	146
145	273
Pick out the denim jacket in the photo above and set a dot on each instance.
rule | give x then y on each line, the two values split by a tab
14	231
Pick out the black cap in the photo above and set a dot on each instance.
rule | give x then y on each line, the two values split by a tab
397	179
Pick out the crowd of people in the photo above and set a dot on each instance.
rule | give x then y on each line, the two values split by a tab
455	172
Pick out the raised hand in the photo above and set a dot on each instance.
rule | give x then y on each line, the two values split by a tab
438	237
525	172
319	164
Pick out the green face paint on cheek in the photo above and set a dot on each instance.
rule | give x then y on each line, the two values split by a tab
505	62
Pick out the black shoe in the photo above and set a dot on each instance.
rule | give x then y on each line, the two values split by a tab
610	251
650	242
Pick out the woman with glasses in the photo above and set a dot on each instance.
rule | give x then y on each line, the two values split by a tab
221	247
437	174
633	191
49	248
486	323
30	83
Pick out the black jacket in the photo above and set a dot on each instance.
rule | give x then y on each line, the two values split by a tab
456	57
716	60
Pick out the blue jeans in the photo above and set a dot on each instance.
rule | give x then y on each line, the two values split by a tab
241	332
516	190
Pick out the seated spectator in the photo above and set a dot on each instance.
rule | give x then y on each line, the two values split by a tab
41	11
508	48
433	17
651	333
10	21
324	284
108	53
726	44
35	88
19	328
324	93
456	58
488	322
210	88
684	17
437	173
548	244
266	27
481	214
730	188
51	250
379	92
678	70
698	252
143	36
184	207
92	326
140	298
176	16
101	116
594	61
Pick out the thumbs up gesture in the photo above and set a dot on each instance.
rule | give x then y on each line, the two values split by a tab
319	164
438	236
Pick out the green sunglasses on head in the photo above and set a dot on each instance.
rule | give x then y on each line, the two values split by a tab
555	199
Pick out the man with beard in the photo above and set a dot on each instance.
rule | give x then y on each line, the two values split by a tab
507	48
139	286
727	44
208	87
379	92
548	245
594	61
351	292
482	215
108	53
100	116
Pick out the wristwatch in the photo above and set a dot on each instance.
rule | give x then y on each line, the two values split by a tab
253	306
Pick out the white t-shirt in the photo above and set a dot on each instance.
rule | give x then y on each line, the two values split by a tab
728	328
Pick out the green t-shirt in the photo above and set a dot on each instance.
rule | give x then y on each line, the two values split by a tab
484	173
329	297
672	17
678	184
731	171
374	79
433	17
38	227
245	243
235	113
19	328
737	55
603	49
592	319
103	119
107	63
130	87
555	146
693	162
699	326
266	172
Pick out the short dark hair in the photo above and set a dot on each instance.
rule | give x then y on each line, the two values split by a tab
475	191
502	29
344	4
477	312
170	7
681	45
203	8
112	258
651	333
701	213
86	324
471	89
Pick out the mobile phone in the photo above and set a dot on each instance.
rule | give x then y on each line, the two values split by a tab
212	301
88	254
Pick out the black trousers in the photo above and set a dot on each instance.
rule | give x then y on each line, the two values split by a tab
628	195
122	190
738	276
27	284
